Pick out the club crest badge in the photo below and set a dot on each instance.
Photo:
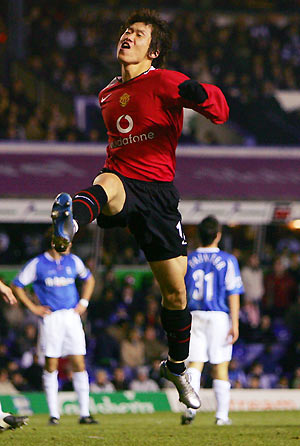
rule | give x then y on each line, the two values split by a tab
124	99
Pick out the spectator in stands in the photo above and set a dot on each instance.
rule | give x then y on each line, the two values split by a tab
66	36
67	382
6	386
119	380
283	383
4	358
154	348
102	383
292	319
296	379
294	266
107	349
139	322
249	320
256	378
34	375
252	276
247	59
26	341
133	349
19	382
143	383
280	290
236	374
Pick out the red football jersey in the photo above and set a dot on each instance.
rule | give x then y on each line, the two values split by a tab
144	119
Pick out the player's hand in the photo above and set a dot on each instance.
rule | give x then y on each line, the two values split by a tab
80	309
233	334
7	294
41	310
192	91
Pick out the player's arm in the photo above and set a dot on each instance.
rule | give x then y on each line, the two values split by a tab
39	310
26	276
7	294
234	310
206	99
177	91
235	288
86	294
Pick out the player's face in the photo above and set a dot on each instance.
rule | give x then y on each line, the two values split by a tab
134	44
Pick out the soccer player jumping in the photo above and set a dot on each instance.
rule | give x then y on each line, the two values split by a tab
143	113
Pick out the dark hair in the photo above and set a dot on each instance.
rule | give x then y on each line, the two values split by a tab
161	36
208	230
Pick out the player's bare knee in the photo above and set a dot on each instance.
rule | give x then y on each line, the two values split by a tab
175	300
111	183
51	365
220	371
114	190
78	363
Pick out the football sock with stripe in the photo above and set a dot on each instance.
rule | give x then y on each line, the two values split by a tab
177	325
88	203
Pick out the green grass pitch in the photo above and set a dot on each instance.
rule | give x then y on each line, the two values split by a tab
252	428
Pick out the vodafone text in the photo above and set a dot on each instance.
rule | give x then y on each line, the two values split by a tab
131	139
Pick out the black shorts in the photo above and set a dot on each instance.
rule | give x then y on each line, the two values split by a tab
151	214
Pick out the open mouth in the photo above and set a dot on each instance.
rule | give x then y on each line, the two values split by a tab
125	46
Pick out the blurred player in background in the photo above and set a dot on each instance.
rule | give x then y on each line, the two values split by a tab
143	113
214	285
61	333
7	420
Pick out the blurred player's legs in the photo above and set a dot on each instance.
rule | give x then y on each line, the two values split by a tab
194	371
50	382
82	388
221	386
80	383
61	334
208	343
9	421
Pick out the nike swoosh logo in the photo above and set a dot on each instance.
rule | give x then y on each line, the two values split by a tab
104	99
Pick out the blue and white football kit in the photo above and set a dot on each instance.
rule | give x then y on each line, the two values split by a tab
212	275
61	332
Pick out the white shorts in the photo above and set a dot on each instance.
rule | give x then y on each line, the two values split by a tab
61	334
209	340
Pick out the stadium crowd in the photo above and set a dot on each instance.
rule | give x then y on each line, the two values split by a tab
125	341
248	56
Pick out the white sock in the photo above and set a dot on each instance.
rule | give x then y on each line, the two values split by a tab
81	387
51	389
1	411
195	376
222	394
